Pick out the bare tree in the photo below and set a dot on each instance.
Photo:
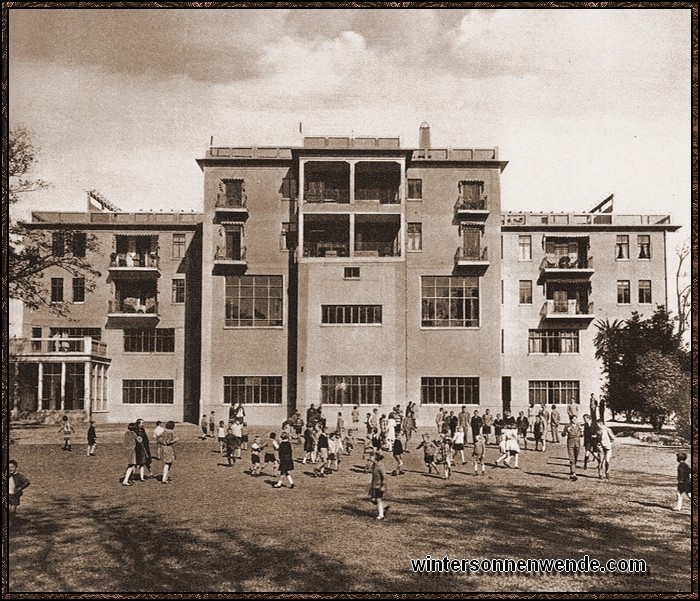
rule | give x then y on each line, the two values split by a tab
683	289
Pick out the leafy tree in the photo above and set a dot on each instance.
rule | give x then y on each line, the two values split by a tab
32	252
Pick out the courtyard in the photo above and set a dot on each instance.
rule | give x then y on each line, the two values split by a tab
217	529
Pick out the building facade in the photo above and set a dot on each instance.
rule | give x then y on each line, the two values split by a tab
346	271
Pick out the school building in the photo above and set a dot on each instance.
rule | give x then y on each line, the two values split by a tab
345	271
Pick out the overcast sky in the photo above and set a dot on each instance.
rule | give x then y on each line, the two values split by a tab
582	103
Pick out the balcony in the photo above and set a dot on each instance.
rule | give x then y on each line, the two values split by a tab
56	348
385	196
230	258
570	310
570	268
133	308
134	265
474	259
318	192
472	209
231	209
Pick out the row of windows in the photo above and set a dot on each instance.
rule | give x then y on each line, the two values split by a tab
148	392
623	292
552	341
351	314
58	295
75	243
622	247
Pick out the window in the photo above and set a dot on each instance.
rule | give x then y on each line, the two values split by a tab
525	292
73	243
414	237
552	341
179	244
56	290
622	248
147	392
179	290
450	302
95	333
351	390
623	292
449	391
524	248
644	244
78	290
553	392
472	195
644	292
229	242
289	188
344	314
351	273
415	189
231	193
253	390
253	301
159	340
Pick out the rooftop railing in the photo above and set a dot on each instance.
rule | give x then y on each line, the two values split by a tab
57	345
582	219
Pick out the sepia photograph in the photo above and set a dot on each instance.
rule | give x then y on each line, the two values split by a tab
381	299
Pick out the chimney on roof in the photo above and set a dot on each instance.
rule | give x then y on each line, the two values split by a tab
424	136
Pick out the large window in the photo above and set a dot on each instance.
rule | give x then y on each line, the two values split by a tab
644	292
524	248
148	392
253	301
553	392
73	243
552	341
179	290
644	245
95	333
622	247
414	237
257	390
623	292
415	189
179	246
449	391
78	290
450	302
351	390
525	292
160	340
344	314
56	290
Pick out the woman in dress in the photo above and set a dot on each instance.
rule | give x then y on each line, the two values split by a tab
167	440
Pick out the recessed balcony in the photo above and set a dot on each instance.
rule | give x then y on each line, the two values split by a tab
475	259
566	268
472	209
570	310
134	265
227	260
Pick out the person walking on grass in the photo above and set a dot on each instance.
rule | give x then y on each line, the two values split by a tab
684	476
322	446
286	461
377	490
230	443
91	440
143	451
539	430
478	455
67	430
221	435
397	452
573	434
271	448
16	483
458	441
131	439
606	443
157	431
255	448
555	420
167	441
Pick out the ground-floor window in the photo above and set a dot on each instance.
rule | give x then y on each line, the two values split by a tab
553	392
441	390
258	390
148	392
552	341
351	390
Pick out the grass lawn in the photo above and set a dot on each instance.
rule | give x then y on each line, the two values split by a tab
217	529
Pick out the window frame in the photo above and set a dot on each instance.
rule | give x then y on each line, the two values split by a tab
412	237
435	302
357	391
552	388
248	386
547	339
520	292
622	247
644	245
621	287
412	181
56	288
177	287
363	315
179	248
158	341
245	302
521	246
470	386
148	387
641	290
346	270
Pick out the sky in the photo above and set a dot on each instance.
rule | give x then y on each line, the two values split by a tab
581	102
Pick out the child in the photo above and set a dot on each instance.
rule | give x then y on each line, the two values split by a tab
458	442
309	445
271	447
203	424
230	444
684	475
286	461
66	429
429	450
255	457
157	432
16	483
538	430
221	435
478	455
446	451
212	424
349	441
335	448
244	436
397	452
91	440
322	445
378	486
368	454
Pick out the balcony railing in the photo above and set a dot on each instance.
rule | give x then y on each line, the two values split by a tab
57	345
327	194
223	202
133	306
539	219
134	260
471	204
376	249
385	196
232	256
471	255
569	262
570	308
326	249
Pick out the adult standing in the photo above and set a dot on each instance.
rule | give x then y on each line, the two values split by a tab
606	443
573	435
143	450
463	420
130	441
476	424
167	440
355	418
593	408
572	408
439	418
487	425
212	424
555	420
286	461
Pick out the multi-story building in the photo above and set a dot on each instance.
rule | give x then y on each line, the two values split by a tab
347	271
